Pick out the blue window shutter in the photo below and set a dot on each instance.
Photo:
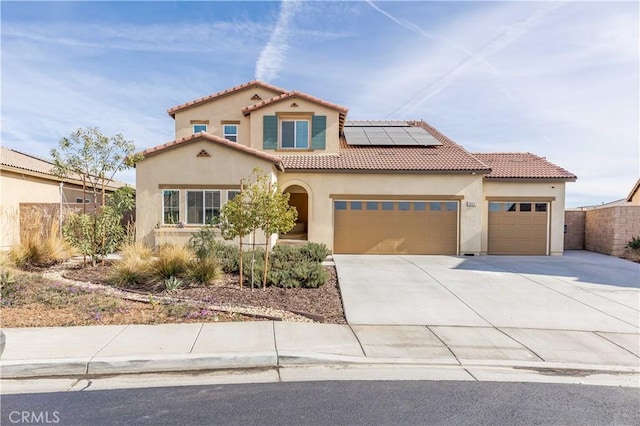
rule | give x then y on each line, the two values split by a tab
319	132
270	132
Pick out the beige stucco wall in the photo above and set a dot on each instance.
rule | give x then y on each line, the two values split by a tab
321	186
225	108
635	200
180	167
528	189
304	107
16	188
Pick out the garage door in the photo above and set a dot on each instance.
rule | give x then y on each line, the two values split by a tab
396	227
518	228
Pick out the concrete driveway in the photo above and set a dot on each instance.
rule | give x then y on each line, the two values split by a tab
578	291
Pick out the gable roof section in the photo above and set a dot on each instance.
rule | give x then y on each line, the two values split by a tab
277	161
253	83
10	158
448	157
519	165
295	94
635	189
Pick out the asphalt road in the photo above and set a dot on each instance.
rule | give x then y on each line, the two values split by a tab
333	403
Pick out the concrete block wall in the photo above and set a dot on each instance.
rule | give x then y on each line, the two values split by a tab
574	221
609	229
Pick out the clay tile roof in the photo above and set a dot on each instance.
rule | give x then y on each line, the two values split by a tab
293	94
448	157
520	165
277	161
172	111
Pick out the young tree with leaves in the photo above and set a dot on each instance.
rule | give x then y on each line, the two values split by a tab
275	215
260	205
237	220
88	155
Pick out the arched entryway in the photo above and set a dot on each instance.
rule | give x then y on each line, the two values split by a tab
298	198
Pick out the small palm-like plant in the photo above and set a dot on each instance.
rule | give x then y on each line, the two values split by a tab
172	284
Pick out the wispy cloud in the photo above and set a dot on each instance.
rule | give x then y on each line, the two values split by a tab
418	30
274	53
506	37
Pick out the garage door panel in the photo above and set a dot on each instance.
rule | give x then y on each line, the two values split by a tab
409	228
515	229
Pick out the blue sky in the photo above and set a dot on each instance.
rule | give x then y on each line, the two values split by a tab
559	79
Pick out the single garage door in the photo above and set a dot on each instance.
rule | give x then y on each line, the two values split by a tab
518	228
395	227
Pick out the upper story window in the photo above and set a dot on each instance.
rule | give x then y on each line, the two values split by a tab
199	128
294	134
230	132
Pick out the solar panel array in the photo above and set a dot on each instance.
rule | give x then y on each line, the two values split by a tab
391	133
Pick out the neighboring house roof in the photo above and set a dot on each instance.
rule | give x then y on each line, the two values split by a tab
20	160
448	157
35	165
519	165
172	111
277	161
635	189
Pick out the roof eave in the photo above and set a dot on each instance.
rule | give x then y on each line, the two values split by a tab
633	191
173	110
531	178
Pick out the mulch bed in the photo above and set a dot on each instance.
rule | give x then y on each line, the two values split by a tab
322	304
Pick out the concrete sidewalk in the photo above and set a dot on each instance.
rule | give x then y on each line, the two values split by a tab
133	349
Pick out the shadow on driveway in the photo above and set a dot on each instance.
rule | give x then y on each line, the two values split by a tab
576	265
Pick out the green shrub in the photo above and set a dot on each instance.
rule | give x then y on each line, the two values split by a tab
203	242
7	284
634	244
228	256
293	275
204	270
315	252
171	261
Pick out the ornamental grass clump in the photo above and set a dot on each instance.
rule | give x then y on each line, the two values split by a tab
40	246
171	261
204	270
134	267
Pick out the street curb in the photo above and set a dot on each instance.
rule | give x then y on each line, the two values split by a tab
79	367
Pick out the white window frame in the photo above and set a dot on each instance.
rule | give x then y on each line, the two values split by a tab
163	211
295	132
227	135
206	127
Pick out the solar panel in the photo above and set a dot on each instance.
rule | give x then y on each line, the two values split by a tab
374	131
381	141
387	133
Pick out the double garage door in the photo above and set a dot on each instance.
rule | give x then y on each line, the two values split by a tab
396	227
519	228
431	227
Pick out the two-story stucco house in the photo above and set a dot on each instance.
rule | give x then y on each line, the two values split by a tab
359	186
